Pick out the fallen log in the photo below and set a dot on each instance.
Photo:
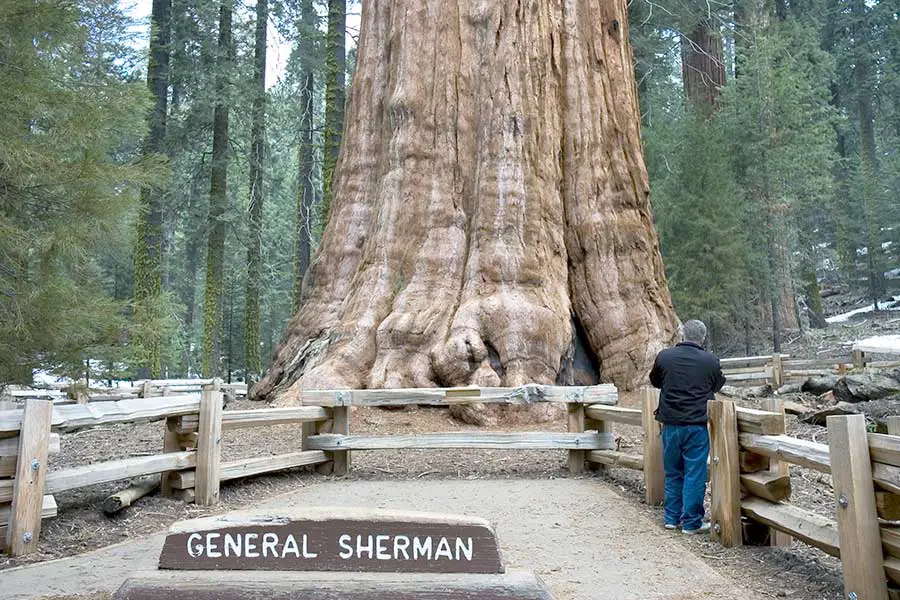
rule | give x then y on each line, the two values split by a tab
125	498
819	385
818	417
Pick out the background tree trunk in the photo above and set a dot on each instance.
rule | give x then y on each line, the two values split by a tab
306	159
702	66
148	255
218	198
257	197
491	222
335	94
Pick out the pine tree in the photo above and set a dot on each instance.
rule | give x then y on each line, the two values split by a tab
70	134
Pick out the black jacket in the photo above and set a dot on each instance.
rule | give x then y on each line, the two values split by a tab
688	376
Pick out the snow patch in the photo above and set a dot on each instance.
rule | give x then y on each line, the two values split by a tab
893	304
880	344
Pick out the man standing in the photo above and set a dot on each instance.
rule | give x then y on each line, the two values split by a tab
688	376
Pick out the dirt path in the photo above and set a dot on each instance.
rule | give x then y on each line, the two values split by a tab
582	538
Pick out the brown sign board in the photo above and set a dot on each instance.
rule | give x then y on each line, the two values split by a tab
242	585
334	539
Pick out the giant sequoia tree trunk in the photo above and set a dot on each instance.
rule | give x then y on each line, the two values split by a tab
491	222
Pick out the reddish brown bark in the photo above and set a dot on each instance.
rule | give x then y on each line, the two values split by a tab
491	222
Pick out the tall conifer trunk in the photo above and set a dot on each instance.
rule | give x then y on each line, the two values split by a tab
335	95
148	254
218	201
491	222
257	196
702	66
306	159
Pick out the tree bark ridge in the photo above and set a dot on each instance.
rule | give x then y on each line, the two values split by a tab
490	201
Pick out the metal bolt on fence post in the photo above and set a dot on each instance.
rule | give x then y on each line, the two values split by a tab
35	464
26	537
844	503
715	460
717	528
852	596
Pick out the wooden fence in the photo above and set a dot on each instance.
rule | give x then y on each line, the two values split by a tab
189	463
780	369
749	460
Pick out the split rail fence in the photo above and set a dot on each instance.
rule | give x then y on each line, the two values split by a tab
749	460
780	369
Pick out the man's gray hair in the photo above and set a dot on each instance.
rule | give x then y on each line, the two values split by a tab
694	331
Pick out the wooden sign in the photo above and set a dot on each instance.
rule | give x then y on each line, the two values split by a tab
225	585
339	539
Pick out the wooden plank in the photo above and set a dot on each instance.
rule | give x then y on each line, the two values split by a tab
748	376
613	458
262	417
808	454
892	569
725	488
767	485
654	476
781	468
171	443
240	585
751	462
760	422
885	448
804	525
249	467
9	447
28	487
209	447
890	541
854	491
525	394
26	491
340	424
748	361
744	370
466	439
887	477
114	470
616	414
888	506
777	372
576	425
48	510
78	416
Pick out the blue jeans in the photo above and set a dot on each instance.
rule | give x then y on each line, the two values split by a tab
685	451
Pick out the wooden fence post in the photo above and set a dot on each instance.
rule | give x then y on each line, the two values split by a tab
171	443
857	520
341	426
28	486
654	476
725	480
858	358
777	371
209	446
777	538
576	425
